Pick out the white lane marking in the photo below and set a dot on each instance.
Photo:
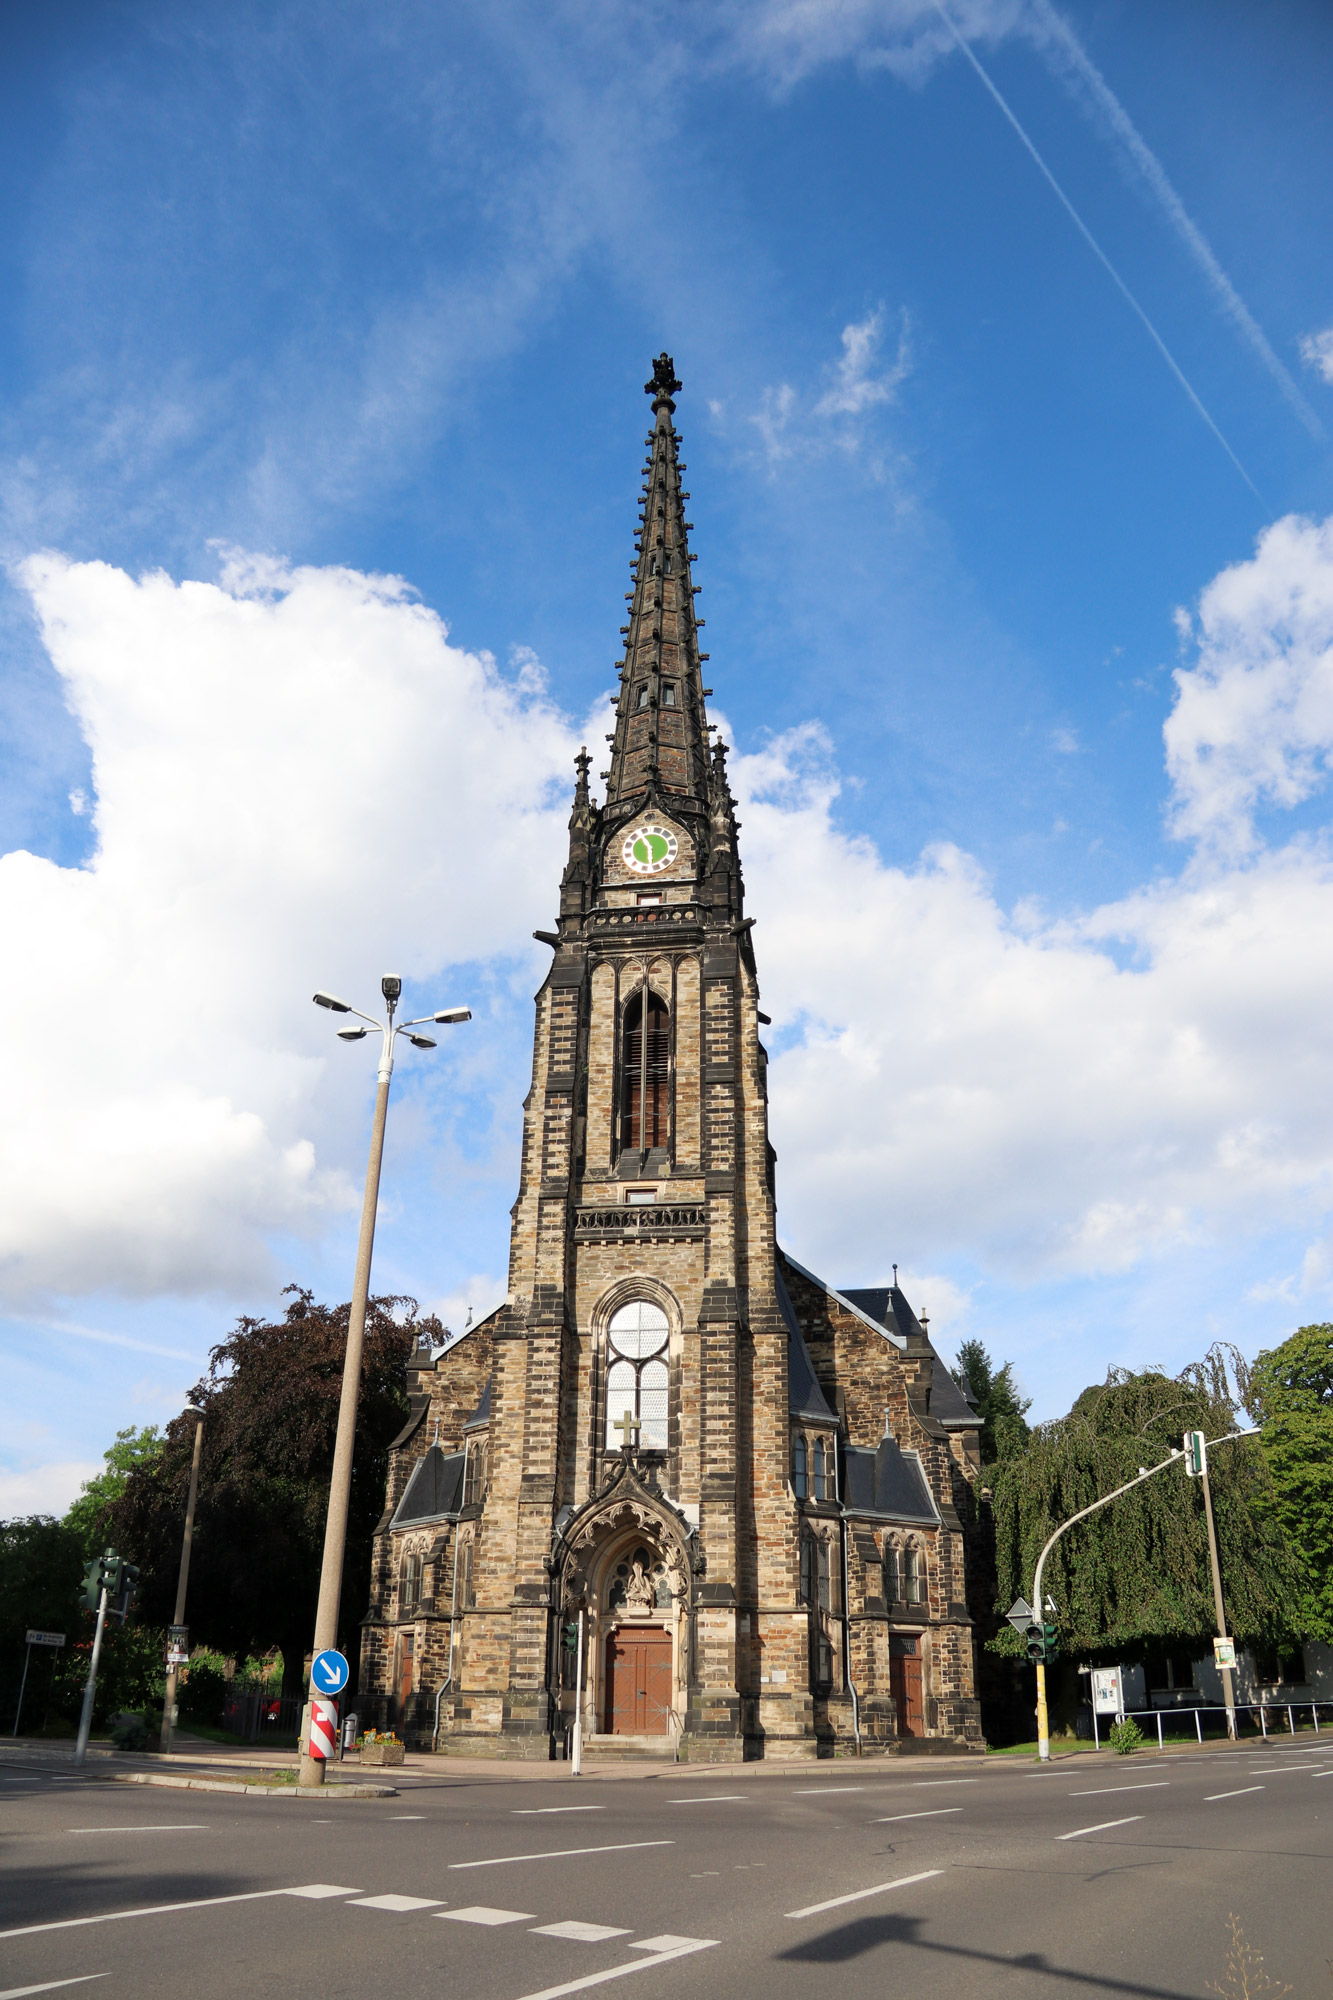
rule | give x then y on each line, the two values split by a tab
50	1985
580	1933
557	1854
859	1895
814	1791
393	1816
622	1971
528	1812
918	1783
1211	1797
1101	1791
710	1799
1268	1770
197	1826
480	1913
315	1890
935	1812
395	1903
1102	1826
1322	1774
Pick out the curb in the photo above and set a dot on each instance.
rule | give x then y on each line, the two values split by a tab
325	1792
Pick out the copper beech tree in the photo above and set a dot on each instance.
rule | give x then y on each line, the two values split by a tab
270	1402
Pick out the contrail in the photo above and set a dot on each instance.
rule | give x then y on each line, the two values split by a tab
1101	256
1148	164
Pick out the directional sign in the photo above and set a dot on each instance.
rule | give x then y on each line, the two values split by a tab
328	1673
1019	1615
45	1639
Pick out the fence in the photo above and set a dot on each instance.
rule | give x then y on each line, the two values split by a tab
1263	1709
259	1715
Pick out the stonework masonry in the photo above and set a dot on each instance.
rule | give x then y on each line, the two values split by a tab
748	1491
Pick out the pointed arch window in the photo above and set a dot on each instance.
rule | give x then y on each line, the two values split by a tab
637	1381
646	1073
823	1479
800	1479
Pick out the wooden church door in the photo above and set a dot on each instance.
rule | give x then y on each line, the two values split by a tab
638	1681
905	1683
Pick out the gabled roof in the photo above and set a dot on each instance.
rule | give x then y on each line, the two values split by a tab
473	1326
849	1300
434	1490
887	1482
805	1397
887	1306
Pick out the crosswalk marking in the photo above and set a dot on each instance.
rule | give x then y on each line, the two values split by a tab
580	1933
668	1942
478	1913
395	1903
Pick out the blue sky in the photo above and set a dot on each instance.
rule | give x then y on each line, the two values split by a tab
302	299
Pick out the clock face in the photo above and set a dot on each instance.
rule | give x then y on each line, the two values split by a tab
649	849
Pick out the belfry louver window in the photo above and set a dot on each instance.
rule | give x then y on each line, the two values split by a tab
646	1075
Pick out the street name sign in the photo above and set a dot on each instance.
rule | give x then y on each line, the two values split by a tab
45	1639
328	1673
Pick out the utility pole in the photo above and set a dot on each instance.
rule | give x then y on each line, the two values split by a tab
169	1700
1196	1464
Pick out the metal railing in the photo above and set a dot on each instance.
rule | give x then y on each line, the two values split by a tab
1199	1709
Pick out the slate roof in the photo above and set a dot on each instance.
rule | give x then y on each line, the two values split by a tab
805	1397
434	1490
482	1414
888	1482
888	1307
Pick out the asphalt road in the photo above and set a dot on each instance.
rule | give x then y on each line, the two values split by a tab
923	1878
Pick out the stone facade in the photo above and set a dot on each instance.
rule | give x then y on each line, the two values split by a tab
746	1489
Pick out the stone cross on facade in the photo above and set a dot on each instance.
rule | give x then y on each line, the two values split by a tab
629	1428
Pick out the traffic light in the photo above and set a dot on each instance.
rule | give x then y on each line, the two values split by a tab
91	1595
1196	1454
571	1635
129	1587
1041	1644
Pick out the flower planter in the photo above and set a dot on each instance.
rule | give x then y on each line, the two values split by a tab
382	1753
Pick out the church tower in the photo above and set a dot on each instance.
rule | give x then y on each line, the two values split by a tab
741	1485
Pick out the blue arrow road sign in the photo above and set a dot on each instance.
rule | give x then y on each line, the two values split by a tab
328	1673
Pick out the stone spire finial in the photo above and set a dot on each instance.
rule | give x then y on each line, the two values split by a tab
664	384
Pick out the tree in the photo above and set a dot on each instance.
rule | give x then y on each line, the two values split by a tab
86	1515
998	1403
1290	1392
270	1403
1137	1574
41	1567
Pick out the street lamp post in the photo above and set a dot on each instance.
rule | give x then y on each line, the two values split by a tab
169	1701
340	1484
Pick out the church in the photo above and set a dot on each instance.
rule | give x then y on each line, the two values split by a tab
749	1491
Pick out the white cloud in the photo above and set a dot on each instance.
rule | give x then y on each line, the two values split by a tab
1253	720
1043	1099
856	385
44	1489
299	782
1317	352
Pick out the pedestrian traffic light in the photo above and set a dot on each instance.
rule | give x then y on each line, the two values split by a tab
1196	1454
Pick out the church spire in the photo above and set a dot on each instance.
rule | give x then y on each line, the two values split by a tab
660	740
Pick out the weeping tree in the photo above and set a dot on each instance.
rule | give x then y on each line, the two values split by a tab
1136	1576
1290	1392
270	1403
